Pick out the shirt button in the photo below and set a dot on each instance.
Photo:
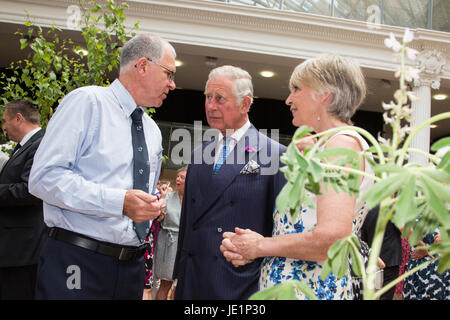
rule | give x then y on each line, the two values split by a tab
219	230
147	230
141	171
139	149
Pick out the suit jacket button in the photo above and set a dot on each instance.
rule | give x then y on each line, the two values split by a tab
219	230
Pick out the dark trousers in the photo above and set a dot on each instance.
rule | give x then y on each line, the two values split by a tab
66	271
17	283
389	274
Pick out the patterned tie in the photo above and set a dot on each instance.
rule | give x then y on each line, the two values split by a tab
223	154
141	168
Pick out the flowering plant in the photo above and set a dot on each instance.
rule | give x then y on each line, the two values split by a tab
415	198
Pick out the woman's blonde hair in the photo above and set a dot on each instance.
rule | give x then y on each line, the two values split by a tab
340	76
182	169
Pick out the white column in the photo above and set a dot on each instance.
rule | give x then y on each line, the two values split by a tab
421	111
430	63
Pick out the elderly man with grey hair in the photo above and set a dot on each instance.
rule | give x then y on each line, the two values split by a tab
233	186
96	170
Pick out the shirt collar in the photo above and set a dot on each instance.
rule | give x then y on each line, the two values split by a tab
125	99
28	136
237	135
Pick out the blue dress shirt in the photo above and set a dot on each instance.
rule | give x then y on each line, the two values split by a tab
84	164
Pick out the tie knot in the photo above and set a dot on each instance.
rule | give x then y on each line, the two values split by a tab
226	141
137	115
17	147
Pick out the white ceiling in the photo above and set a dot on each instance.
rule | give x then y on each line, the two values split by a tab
193	73
381	84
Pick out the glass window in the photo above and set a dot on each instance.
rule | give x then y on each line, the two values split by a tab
411	13
356	9
275	4
441	15
308	6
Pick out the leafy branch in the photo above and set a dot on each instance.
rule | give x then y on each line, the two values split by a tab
56	65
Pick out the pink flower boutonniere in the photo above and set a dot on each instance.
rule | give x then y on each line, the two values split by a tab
250	149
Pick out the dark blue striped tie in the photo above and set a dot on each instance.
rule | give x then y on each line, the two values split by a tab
223	155
141	166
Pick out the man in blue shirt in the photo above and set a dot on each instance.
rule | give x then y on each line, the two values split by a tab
86	172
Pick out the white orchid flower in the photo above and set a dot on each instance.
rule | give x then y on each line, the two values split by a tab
391	42
414	73
408	36
412	53
411	73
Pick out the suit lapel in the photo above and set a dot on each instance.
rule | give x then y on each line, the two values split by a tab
22	149
203	171
215	185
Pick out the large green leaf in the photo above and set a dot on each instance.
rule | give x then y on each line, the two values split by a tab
282	200
355	255
294	194
385	188
445	163
437	174
435	203
301	132
316	170
389	168
440	144
444	263
405	208
337	259
337	152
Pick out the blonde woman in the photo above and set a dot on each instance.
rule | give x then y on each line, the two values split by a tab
325	93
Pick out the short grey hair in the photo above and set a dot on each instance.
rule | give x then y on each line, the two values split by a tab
341	76
242	81
145	45
26	108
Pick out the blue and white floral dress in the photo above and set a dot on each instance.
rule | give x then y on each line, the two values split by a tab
427	283
276	270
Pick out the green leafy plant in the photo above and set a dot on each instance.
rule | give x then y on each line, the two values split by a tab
412	196
57	65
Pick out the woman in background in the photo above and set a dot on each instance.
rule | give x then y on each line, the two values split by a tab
166	247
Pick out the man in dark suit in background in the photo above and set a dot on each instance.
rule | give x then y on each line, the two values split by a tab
217	198
391	249
21	220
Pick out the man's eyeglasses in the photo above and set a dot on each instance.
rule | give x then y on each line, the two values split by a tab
170	73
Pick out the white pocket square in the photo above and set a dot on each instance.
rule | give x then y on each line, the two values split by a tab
250	167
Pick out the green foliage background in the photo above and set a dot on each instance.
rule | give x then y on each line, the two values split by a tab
56	65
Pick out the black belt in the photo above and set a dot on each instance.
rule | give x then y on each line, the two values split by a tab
121	253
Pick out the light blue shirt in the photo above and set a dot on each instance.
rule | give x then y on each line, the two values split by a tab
84	164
